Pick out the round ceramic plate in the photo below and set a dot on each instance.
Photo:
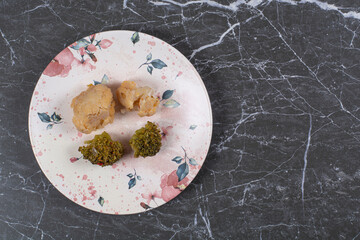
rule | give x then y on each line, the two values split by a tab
131	185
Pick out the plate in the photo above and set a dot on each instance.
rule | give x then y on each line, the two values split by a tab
131	185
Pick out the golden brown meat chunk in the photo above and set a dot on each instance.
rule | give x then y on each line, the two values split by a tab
140	99
93	108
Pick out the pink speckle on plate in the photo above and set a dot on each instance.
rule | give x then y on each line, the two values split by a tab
92	191
151	43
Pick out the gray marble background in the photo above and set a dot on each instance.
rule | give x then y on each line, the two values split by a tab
283	77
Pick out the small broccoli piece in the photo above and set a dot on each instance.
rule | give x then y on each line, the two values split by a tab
102	150
146	141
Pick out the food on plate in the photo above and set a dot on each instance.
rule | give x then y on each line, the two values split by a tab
93	108
148	106
140	99
102	150
146	141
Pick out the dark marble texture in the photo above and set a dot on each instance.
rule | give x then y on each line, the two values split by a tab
284	82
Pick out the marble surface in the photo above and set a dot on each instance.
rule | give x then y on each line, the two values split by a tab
284	82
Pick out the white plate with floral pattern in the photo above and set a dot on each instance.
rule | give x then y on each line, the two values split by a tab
131	185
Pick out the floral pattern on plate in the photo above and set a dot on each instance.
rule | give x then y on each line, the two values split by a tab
131	185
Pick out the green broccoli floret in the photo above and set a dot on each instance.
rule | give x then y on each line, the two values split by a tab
102	150
146	141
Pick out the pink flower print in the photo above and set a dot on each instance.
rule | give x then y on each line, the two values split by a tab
92	56
74	159
145	206
92	37
60	65
89	51
53	69
82	51
86	64
105	43
91	48
171	187
169	193
151	195
165	131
